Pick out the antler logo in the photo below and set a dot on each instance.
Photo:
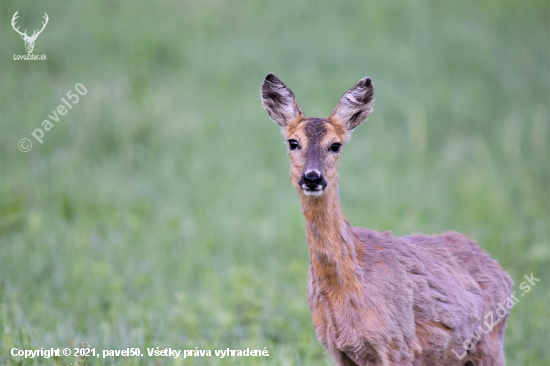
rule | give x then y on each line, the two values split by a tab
29	41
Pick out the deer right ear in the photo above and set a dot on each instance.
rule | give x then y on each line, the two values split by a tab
355	105
279	101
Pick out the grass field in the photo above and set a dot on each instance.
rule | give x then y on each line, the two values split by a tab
159	212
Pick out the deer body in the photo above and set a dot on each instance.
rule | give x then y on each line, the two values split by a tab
377	299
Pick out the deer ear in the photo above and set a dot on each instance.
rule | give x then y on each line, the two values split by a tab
279	101
355	105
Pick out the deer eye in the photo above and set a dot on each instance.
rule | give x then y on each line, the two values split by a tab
293	144
335	147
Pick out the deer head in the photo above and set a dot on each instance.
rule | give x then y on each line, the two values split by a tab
29	41
315	143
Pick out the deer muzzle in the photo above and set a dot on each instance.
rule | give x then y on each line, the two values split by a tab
312	182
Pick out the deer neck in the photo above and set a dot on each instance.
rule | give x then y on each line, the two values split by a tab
331	242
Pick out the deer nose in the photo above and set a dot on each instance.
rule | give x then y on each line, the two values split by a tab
312	178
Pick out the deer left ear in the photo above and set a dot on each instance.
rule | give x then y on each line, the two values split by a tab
355	105
279	101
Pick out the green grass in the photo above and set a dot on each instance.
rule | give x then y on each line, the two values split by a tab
159	211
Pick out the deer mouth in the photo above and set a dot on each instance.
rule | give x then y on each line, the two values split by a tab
313	191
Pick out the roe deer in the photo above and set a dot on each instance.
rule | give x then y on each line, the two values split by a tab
378	299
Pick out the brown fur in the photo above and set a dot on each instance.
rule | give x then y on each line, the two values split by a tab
377	299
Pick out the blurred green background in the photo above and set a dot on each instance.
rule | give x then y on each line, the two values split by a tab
159	211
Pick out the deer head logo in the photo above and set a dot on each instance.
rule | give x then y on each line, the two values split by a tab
29	41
